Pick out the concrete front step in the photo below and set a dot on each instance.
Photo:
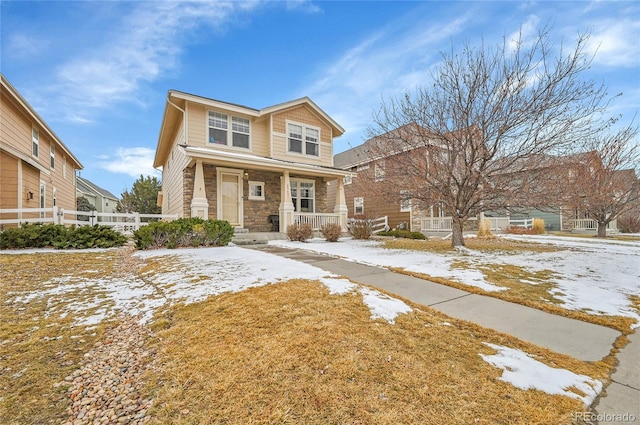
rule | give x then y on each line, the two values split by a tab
256	238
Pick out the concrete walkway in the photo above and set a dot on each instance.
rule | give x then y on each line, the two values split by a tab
582	340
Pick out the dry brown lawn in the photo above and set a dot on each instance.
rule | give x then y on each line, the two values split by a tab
513	277
282	353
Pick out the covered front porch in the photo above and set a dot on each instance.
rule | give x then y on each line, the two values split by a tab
259	194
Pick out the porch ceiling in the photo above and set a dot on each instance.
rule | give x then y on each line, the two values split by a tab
242	160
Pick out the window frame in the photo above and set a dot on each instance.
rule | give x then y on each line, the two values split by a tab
405	201
358	200
380	171
35	142
305	130
52	157
256	197
232	124
295	184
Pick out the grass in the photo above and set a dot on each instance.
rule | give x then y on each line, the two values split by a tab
617	236
282	353
525	287
39	344
291	353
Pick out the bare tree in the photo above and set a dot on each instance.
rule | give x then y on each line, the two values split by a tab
490	116
604	181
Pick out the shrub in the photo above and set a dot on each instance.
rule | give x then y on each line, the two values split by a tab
484	229
60	237
331	232
403	234
629	223
538	227
183	232
299	232
361	227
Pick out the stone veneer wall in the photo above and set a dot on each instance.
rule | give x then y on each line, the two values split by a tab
257	212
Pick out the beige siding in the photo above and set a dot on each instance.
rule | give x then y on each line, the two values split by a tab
304	115
198	130
172	172
8	181
15	131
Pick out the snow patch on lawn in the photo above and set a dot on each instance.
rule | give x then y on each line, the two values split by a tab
188	276
595	276
524	372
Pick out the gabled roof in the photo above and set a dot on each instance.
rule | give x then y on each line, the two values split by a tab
26	107
85	186
175	95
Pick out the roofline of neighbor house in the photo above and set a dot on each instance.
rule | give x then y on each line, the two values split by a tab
34	115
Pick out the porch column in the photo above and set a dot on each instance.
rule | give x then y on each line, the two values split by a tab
286	206
199	203
341	205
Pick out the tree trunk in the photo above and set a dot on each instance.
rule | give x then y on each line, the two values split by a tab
457	238
602	230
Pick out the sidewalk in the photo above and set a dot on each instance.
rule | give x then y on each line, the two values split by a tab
582	340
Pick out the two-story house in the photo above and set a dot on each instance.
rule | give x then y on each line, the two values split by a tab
101	199
259	169
37	170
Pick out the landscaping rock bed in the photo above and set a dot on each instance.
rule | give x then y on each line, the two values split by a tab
107	389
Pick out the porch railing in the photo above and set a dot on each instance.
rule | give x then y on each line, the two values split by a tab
316	220
590	224
435	224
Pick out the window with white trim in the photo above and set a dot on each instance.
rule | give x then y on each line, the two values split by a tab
219	125
405	201
358	206
54	194
303	195
35	142
302	139
43	191
52	157
347	180
380	170
256	191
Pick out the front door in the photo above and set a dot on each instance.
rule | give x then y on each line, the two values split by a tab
230	198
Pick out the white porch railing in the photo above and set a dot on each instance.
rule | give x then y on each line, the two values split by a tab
444	224
590	224
122	222
316	220
435	224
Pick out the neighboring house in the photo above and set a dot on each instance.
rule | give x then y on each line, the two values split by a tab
101	199
36	169
376	189
259	169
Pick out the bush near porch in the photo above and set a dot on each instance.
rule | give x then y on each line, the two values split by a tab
184	232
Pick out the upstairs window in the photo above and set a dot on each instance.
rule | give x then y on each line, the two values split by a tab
52	157
303	140
35	142
219	125
380	171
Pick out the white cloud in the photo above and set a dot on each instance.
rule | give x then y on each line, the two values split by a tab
306	6
390	61
526	34
615	43
22	46
130	161
144	46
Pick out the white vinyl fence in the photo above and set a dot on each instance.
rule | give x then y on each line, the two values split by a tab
316	220
444	224
121	222
380	224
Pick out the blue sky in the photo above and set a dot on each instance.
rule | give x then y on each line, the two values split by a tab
98	72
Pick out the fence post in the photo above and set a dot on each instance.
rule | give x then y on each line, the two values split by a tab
136	218
54	214
93	218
